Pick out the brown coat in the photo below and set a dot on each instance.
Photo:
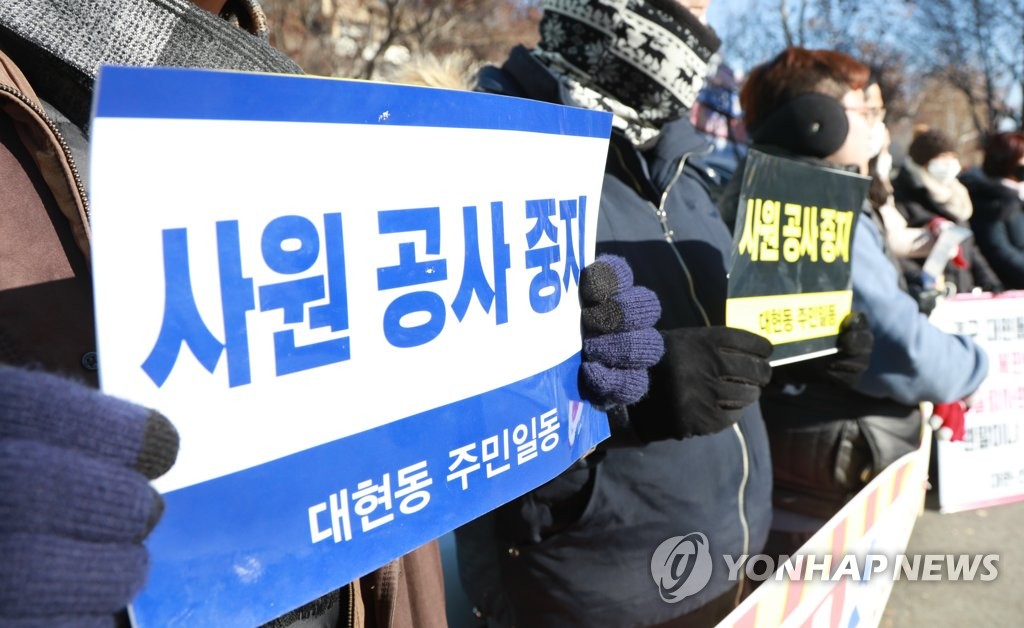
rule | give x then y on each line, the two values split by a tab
46	315
46	320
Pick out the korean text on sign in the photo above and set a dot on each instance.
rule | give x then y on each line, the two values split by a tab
291	246
807	232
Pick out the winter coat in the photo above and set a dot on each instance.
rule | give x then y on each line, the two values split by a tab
998	224
578	551
918	205
46	321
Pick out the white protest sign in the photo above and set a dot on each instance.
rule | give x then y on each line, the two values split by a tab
357	303
987	467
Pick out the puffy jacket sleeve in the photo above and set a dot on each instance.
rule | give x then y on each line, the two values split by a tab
912	360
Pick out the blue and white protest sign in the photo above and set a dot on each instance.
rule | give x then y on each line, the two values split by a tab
358	304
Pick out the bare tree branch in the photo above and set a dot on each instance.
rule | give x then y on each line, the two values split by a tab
784	17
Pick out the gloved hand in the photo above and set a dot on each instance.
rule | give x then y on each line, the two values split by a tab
844	368
855	342
948	420
619	339
76	502
701	386
926	297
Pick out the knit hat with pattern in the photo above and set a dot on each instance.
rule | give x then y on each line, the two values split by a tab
651	56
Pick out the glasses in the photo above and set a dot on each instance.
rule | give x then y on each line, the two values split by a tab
870	114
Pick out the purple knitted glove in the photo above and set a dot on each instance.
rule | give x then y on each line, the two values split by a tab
619	339
76	502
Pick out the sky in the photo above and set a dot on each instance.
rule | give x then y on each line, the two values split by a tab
720	9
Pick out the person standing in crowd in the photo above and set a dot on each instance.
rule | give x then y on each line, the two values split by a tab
831	431
928	179
928	194
692	456
996	190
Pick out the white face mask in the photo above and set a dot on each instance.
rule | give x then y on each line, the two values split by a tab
883	165
944	170
877	138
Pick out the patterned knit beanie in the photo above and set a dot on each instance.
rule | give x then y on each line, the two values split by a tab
651	56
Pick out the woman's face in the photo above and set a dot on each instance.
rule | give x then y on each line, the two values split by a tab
856	150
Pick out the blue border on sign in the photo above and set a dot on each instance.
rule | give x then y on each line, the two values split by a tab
125	92
238	550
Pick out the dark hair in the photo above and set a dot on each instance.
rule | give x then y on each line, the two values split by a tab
929	144
797	71
1002	154
879	191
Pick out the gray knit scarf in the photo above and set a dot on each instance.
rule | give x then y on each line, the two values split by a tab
60	44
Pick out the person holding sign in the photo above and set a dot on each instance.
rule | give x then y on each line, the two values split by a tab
691	456
830	434
75	463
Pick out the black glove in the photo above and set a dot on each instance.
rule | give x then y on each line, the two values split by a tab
855	343
701	386
76	502
844	368
926	298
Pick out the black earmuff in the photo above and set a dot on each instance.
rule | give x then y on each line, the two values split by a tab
811	124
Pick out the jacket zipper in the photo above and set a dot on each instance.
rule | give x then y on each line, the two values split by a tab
662	215
742	503
75	175
350	621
